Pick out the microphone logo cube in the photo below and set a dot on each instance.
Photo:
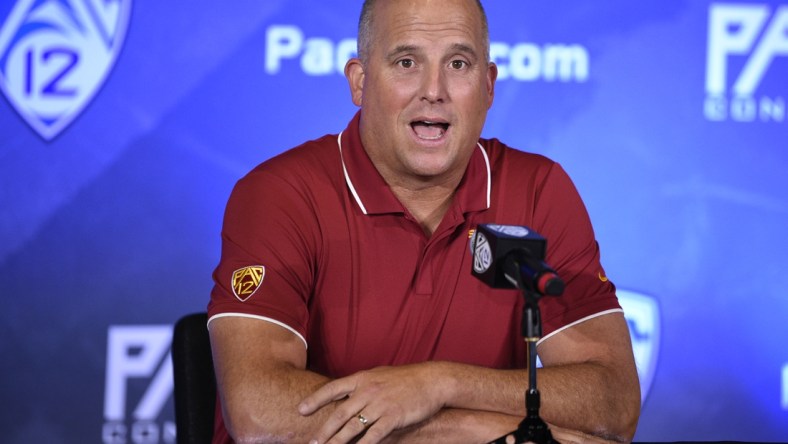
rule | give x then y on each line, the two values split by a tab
482	255
491	243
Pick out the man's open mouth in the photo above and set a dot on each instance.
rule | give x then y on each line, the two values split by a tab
429	130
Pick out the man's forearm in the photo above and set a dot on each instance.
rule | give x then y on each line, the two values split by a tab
457	426
266	409
261	380
591	398
467	427
586	397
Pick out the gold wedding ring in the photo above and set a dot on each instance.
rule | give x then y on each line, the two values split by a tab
363	420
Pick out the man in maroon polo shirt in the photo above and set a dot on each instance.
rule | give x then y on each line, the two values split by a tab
344	308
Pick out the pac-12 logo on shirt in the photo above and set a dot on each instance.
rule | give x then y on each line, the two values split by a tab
56	54
247	280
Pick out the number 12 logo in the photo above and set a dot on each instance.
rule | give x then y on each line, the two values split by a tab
56	54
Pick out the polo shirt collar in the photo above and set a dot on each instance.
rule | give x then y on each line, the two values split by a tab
372	193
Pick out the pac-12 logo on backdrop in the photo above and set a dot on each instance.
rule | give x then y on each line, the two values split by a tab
643	319
138	386
747	49
56	54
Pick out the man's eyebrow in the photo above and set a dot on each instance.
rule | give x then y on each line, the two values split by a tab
467	49
456	47
401	49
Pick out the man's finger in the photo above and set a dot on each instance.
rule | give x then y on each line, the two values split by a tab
344	423
383	427
354	427
333	391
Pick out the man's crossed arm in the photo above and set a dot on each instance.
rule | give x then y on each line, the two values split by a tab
589	389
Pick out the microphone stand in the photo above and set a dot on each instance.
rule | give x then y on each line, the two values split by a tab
532	428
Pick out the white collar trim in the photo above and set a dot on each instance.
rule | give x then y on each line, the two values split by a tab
347	177
361	204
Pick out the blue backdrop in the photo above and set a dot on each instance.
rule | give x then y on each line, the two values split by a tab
125	125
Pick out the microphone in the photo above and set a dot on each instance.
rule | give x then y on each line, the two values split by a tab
511	256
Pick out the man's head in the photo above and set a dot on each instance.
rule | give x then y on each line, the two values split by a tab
424	84
365	23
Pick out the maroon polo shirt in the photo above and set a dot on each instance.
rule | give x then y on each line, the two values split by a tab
316	242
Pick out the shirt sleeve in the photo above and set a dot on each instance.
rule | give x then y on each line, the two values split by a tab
572	250
267	257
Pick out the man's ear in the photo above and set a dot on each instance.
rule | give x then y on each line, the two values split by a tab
492	76
354	72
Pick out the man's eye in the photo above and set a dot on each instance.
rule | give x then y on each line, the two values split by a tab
406	63
458	64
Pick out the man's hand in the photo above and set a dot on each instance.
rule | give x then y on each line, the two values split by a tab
377	402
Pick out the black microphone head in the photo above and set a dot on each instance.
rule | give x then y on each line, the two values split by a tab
549	284
492	243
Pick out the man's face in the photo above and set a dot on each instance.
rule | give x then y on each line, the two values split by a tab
424	89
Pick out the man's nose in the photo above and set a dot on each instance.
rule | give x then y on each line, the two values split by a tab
434	85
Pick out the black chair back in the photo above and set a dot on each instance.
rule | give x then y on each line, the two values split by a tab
195	382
